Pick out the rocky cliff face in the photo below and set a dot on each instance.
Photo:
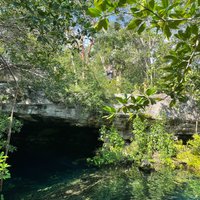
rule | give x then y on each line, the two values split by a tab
34	112
35	106
187	111
183	118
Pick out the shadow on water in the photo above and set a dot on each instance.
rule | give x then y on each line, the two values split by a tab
47	153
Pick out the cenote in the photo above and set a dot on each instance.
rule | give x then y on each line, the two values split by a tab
50	163
46	151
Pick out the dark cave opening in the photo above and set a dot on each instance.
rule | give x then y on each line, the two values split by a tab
45	147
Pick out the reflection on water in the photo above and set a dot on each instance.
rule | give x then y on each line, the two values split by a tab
119	184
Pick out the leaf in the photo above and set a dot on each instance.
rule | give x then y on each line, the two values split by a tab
124	109
174	24
98	2
110	116
193	9
171	58
134	23
188	32
183	36
102	24
101	4
165	3
122	100
151	4
141	28
173	6
109	109
122	3
94	12
194	28
133	99
140	100
131	1
172	103
167	31
179	45
150	91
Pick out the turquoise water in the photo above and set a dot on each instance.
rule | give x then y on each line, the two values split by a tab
79	182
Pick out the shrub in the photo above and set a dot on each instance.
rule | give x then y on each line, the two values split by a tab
112	148
151	144
190	154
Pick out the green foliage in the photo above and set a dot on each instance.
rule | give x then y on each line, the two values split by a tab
4	125
76	83
192	191
111	150
134	105
130	55
189	154
49	21
177	21
151	143
4	172
38	32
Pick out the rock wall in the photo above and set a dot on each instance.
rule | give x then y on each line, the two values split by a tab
34	112
183	118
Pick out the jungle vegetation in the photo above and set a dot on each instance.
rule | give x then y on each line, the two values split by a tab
83	52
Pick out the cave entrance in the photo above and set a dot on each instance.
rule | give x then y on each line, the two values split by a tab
45	148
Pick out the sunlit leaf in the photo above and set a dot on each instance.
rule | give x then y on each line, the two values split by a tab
122	100
134	23
94	12
165	3
150	91
109	109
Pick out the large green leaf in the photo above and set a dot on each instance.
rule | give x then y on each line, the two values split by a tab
150	91
94	12
134	23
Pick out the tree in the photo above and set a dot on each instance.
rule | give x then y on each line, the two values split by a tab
176	20
32	34
134	58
